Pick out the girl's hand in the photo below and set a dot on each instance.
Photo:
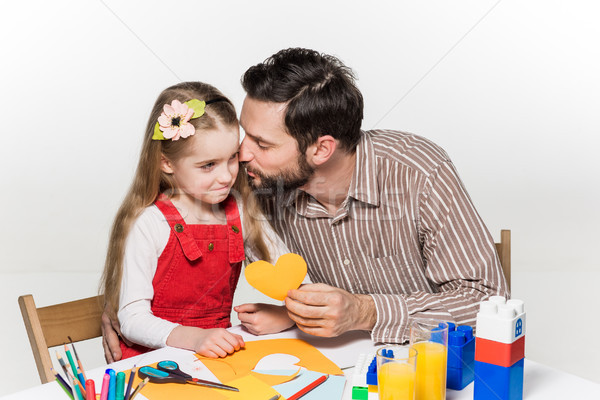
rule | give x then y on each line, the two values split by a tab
217	342
213	343
262	319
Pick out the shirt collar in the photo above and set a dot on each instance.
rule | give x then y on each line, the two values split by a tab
364	185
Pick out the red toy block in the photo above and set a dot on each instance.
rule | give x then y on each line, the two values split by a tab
496	353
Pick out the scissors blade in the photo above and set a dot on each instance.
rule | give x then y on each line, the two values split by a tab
215	385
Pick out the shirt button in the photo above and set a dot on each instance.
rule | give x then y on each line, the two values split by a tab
346	262
178	228
235	229
211	247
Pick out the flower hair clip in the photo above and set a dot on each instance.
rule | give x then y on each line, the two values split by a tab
174	121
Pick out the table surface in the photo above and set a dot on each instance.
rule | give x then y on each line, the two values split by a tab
540	382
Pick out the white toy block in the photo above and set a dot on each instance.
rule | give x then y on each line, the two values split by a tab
500	320
359	378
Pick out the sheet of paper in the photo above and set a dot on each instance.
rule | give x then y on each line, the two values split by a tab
188	363
243	361
331	389
342	350
251	388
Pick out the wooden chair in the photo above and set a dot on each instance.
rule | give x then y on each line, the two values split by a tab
50	326
503	249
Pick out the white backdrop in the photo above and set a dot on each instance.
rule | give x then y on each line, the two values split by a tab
509	88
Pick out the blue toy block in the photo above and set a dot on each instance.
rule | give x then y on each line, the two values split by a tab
459	378
372	372
461	357
498	383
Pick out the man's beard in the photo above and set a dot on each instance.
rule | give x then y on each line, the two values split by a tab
286	180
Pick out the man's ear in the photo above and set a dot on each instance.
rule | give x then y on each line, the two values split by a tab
165	165
322	150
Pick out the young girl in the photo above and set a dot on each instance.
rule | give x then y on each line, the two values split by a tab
177	242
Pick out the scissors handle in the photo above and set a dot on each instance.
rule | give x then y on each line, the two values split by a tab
168	371
172	367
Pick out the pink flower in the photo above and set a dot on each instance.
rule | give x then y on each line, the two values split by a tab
174	121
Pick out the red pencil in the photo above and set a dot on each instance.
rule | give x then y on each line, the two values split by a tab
308	388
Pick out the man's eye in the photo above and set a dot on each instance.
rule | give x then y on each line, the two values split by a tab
260	146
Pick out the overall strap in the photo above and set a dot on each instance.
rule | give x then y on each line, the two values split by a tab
234	231
178	228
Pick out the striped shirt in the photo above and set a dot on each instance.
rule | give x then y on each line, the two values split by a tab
407	234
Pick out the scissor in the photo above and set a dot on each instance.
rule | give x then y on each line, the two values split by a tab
168	371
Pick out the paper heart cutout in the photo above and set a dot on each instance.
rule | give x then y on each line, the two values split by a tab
275	280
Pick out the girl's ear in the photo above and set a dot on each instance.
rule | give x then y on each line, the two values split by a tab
165	165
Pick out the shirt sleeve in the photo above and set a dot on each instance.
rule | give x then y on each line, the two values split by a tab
460	262
146	241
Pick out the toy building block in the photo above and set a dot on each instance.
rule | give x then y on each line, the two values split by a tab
461	357
365	370
498	383
501	321
500	350
364	380
497	353
372	372
360	393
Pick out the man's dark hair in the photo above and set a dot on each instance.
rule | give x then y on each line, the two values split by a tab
320	91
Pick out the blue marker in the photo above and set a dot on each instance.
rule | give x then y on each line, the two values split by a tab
112	384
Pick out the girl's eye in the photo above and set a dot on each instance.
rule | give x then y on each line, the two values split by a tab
207	166
234	156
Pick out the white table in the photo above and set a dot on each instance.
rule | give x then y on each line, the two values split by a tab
541	382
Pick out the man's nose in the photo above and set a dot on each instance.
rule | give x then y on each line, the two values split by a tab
245	154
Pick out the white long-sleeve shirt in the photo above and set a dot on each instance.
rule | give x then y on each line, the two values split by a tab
146	241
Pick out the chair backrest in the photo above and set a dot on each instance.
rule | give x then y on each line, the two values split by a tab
503	249
50	326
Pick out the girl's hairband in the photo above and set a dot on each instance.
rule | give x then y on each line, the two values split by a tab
174	121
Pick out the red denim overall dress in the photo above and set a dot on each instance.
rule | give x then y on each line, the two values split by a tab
197	271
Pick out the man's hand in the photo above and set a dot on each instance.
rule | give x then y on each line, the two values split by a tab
262	319
111	331
323	310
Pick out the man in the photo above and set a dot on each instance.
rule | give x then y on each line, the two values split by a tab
386	227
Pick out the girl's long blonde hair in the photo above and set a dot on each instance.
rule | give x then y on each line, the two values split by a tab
149	181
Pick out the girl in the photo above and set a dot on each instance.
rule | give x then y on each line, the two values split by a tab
177	242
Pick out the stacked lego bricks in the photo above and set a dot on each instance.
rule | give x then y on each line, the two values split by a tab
461	356
500	350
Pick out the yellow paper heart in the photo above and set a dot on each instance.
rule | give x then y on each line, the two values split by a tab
275	280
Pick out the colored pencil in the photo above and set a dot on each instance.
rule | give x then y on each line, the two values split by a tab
78	393
67	391
308	388
79	385
130	383
139	388
62	381
73	365
62	364
77	358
